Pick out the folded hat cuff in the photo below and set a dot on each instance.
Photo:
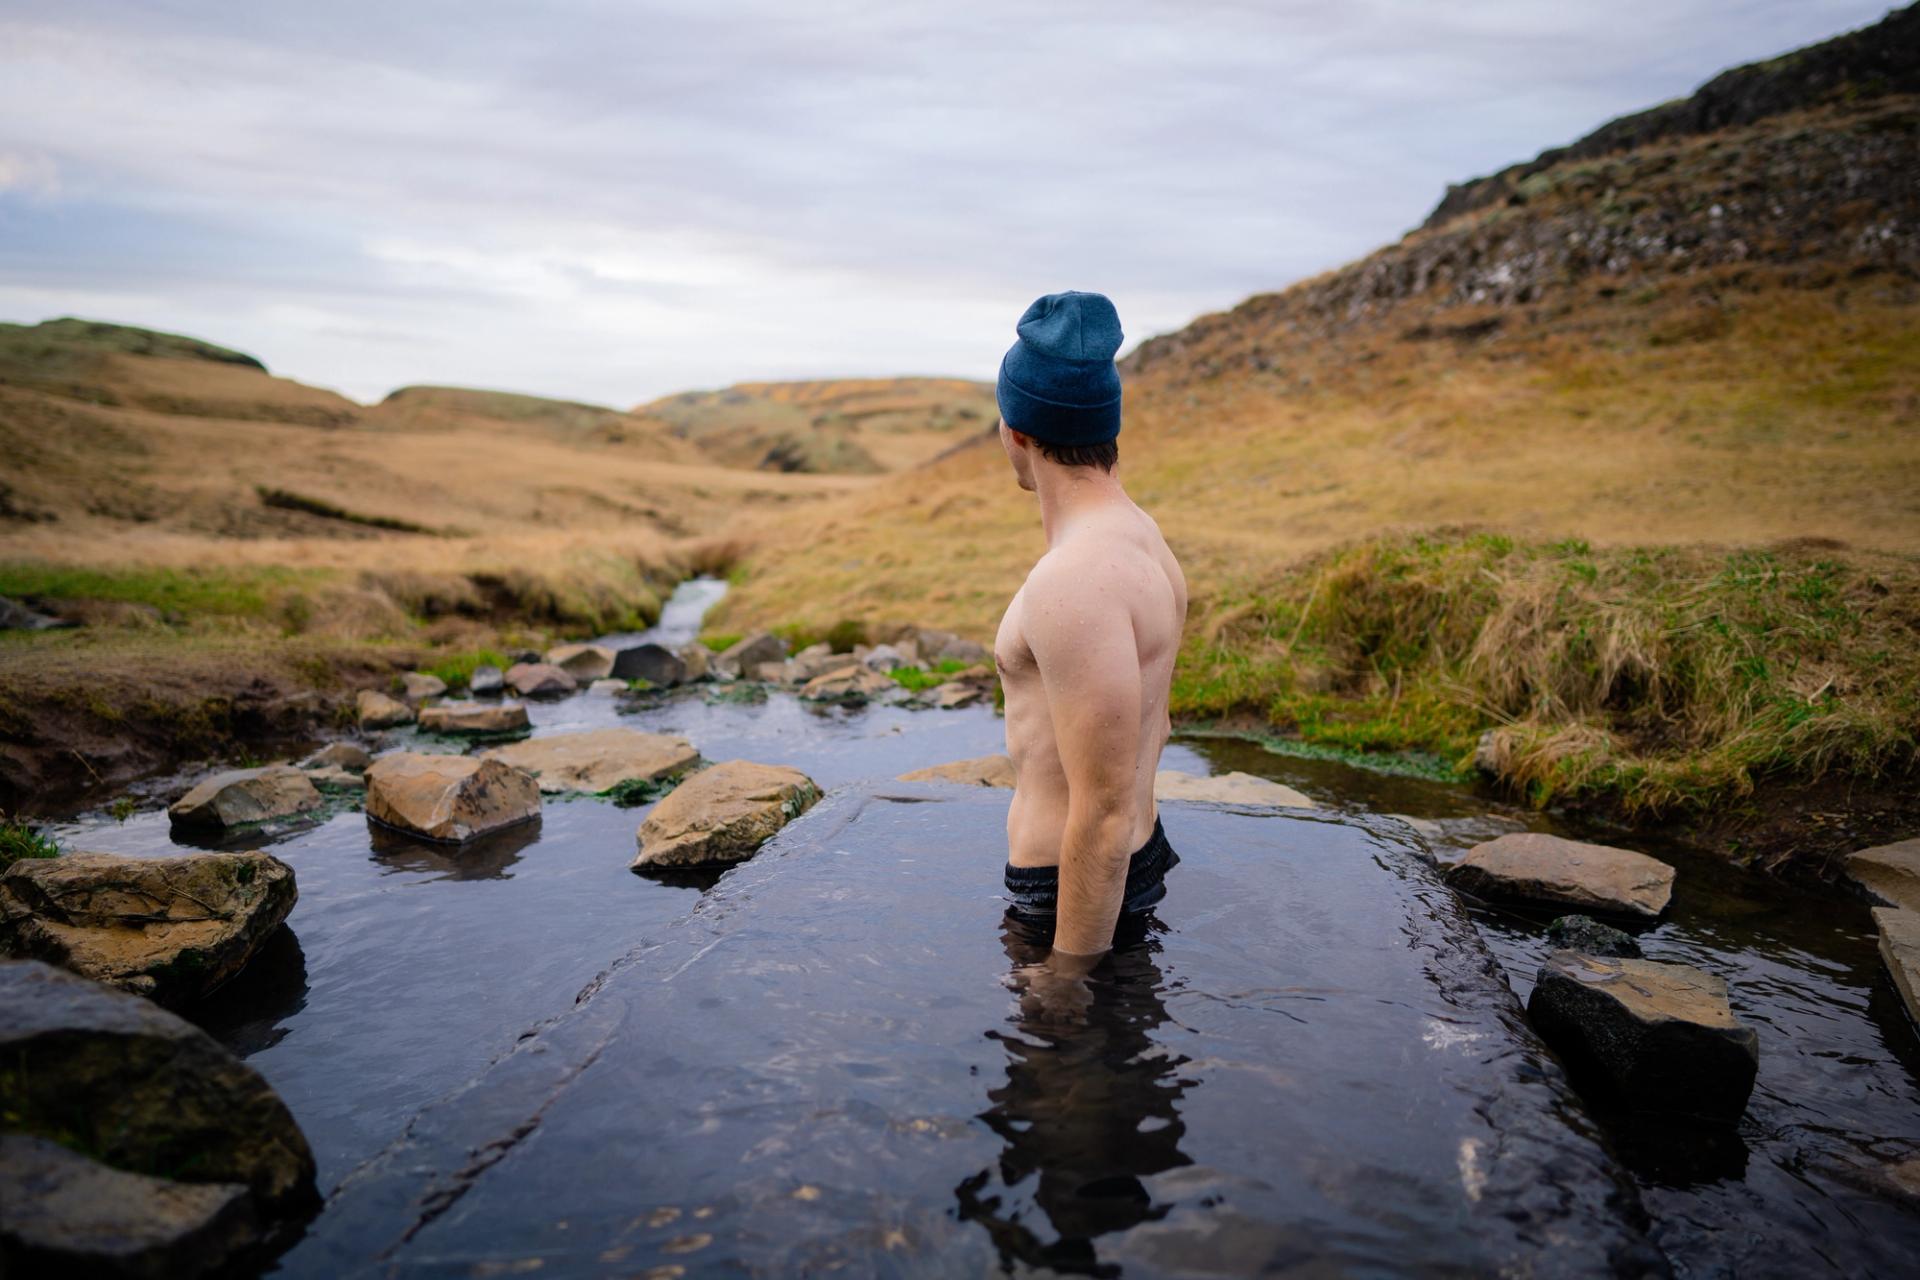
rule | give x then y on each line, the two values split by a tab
1054	422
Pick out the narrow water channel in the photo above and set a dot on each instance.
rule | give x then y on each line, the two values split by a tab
406	970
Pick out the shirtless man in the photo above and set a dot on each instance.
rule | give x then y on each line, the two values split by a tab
1086	648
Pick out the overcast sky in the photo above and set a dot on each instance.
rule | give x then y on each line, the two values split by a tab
614	201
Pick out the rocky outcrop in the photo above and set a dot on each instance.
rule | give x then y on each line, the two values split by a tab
584	662
1889	874
1658	1037
1900	951
375	710
486	678
474	717
1589	937
172	929
599	759
418	686
339	755
850	683
723	814
982	771
1529	866
1227	788
740	657
449	799
63	1214
143	1090
540	680
243	798
654	663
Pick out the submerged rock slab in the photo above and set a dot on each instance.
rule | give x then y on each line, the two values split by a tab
474	717
839	1063
449	798
598	759
172	929
1227	788
723	814
1660	1036
982	771
244	798
143	1090
1889	874
1534	867
63	1214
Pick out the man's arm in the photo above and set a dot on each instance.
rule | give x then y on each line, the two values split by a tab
1081	634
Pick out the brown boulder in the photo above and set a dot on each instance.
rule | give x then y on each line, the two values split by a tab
954	694
1534	867
339	755
742	656
698	660
244	797
852	682
1660	1037
584	662
723	814
374	710
539	680
474	717
449	798
172	929
984	771
598	759
142	1090
417	686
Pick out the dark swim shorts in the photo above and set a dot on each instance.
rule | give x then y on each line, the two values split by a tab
1034	890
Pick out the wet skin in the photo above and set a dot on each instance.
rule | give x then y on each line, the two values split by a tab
1086	654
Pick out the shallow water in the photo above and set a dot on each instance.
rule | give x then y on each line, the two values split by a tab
408	969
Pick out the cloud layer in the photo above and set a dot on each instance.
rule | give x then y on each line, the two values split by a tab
613	201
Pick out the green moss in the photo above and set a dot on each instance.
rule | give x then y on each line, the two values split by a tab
177	593
456	671
721	641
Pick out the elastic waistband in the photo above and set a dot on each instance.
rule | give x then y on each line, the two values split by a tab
1035	891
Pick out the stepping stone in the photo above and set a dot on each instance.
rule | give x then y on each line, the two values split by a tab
474	717
449	799
339	755
584	662
172	929
741	657
654	663
1889	874
486	678
607	688
1532	867
375	710
61	1213
539	680
954	694
143	1089
243	798
851	682
598	759
1226	788
1589	937
1900	950
1661	1037
723	814
983	771
417	686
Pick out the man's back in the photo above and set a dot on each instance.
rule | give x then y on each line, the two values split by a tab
1111	597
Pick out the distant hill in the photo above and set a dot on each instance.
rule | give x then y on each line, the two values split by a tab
851	426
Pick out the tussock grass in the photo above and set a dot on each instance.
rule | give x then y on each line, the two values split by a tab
19	840
1661	677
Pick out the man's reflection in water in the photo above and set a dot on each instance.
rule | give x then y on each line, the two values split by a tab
1089	1107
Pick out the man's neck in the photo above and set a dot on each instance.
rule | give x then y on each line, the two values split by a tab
1068	493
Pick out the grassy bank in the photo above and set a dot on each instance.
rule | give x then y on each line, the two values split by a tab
1658	678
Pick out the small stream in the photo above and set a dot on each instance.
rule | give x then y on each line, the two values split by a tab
407	969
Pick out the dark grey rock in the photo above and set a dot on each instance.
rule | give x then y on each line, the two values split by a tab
654	663
63	1214
17	617
487	678
1590	937
1655	1037
142	1090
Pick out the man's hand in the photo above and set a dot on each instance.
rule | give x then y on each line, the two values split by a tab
1055	991
1083	643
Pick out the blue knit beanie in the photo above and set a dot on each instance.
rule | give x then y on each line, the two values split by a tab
1057	381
